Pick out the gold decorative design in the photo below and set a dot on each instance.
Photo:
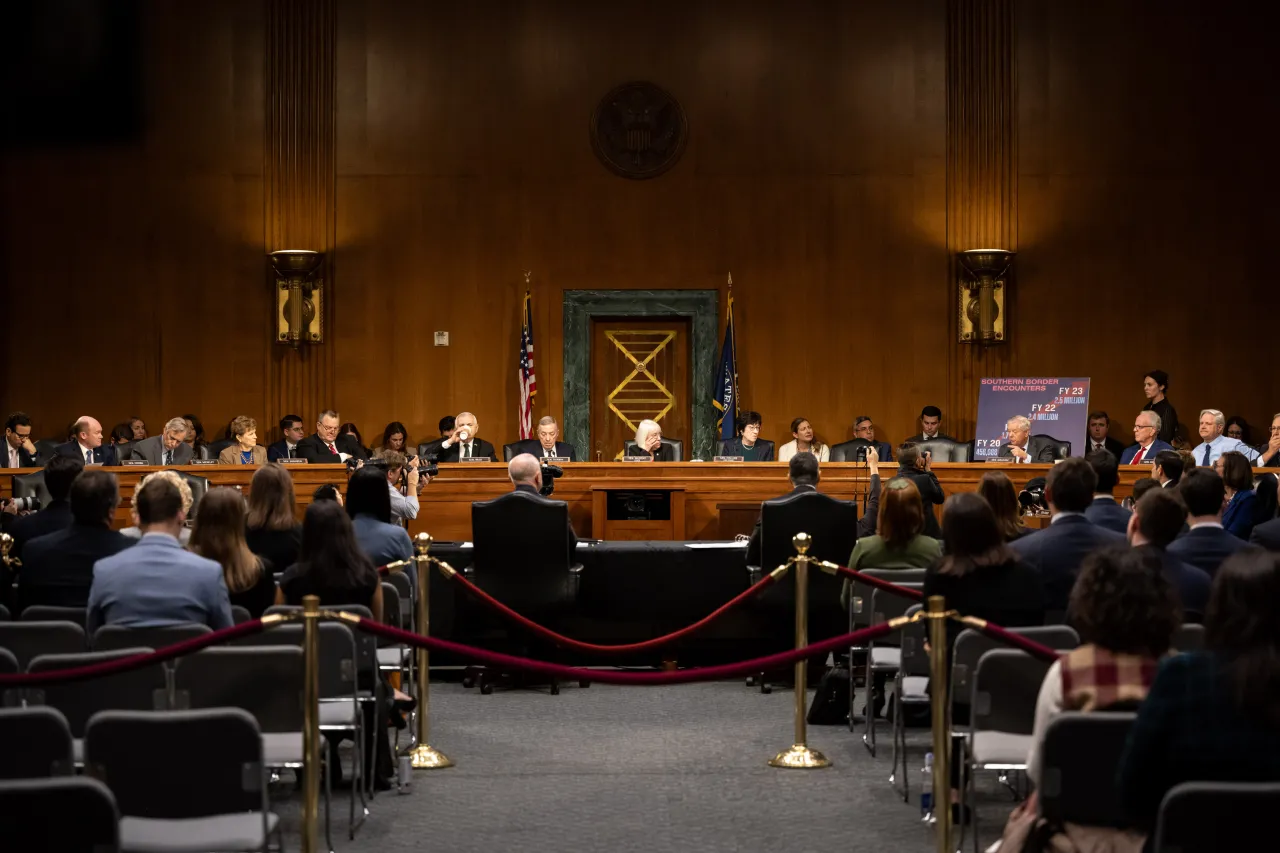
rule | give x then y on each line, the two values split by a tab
641	347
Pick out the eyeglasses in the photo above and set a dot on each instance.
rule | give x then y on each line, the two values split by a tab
1137	427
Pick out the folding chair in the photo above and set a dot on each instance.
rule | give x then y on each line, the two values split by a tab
1208	817
35	743
860	613
391	655
9	666
26	640
219	804
1189	638
110	638
50	613
34	815
883	658
1079	760
240	614
4	614
910	687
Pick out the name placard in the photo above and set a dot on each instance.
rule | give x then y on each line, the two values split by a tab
134	462
637	459
474	459
730	459
287	461
203	462
556	460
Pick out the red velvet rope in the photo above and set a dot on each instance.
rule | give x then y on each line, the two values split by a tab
118	665
880	583
1031	647
569	642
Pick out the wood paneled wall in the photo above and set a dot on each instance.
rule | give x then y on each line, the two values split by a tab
838	154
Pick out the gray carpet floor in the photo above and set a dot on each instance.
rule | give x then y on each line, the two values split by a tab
616	769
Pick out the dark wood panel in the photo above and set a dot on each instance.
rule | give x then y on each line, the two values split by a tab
646	362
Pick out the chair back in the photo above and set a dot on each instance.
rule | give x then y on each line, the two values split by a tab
240	614
1005	688
886	605
55	613
521	554
27	640
946	450
860	592
133	753
143	689
915	658
509	451
629	448
124	451
199	486
32	486
1188	638
338	661
110	638
1061	449
265	681
429	449
1079	760
850	451
1209	817
8	663
392	611
5	616
404	588
35	743
971	645
46	447
65	813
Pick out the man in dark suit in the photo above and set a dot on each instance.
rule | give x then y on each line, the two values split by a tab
917	466
802	470
57	568
1099	426
930	427
1266	535
749	445
864	429
1025	447
326	447
1057	551
20	451
463	444
87	444
525	472
167	448
546	444
1206	544
1166	468
59	474
287	447
1157	520
1104	511
1146	429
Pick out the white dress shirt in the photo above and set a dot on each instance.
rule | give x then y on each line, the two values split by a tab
13	456
402	506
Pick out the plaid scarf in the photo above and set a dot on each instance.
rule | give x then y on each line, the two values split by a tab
1094	679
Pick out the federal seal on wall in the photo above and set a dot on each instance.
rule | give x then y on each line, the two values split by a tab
638	130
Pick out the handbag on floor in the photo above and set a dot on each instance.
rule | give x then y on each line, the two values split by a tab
830	705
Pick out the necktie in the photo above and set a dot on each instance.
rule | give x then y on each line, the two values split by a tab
168	457
332	449
466	451
1205	460
88	457
1138	457
290	452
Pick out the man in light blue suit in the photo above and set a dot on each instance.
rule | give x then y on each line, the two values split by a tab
156	582
1146	426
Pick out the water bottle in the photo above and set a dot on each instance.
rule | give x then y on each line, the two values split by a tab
404	775
926	789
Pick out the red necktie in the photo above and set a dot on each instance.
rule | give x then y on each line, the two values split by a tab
332	449
1138	457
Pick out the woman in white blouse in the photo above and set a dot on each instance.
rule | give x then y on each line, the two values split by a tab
804	440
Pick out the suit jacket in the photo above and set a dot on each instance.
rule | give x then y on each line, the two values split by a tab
25	459
25	528
534	447
1206	547
1237	518
764	449
1267	535
151	450
479	448
1057	551
753	546
103	455
1191	583
919	437
157	583
231	455
1131	451
1041	450
573	537
1113	446
1105	512
57	568
280	450
930	494
316	452
664	453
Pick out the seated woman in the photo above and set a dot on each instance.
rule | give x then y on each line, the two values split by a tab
246	450
394	437
138	428
803	440
350	429
135	532
272	529
1213	715
369	505
1237	476
195	437
998	491
649	442
219	535
900	542
121	434
749	445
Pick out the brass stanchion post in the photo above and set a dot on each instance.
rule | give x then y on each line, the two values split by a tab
800	756
422	755
936	611
310	723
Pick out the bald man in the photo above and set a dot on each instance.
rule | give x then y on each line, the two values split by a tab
86	445
525	471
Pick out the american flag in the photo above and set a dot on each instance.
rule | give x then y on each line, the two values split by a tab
528	381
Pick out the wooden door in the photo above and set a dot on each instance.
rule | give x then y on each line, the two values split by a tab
639	369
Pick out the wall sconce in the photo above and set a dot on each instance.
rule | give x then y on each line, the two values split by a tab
299	296
982	298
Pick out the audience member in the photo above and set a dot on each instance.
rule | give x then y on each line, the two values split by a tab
58	477
195	437
168	448
998	491
1213	715
1155	385
1141	486
245	450
1022	446
326	446
404	504
287	447
137	428
272	530
1104	511
1238	428
1167	468
916	465
156	582
1237	475
369	506
394	437
803	473
121	433
184	490
803	441
864	429
57	568
327	492
20	451
1157	519
1098	440
86	444
900	541
547	443
463	444
1213	443
749	445
649	442
219	534
930	426
525	473
1057	551
1207	543
1147	443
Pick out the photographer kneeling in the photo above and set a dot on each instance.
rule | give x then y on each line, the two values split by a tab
404	480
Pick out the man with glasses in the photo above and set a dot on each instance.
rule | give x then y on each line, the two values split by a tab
1213	443
168	448
326	447
463	444
19	450
1270	456
1146	428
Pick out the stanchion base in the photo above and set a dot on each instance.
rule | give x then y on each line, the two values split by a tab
426	757
800	757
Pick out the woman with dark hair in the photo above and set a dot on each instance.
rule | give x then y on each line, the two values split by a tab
219	535
803	439
195	437
900	542
137	428
1155	384
369	505
272	529
395	437
998	490
1213	715
121	434
1237	476
1238	428
350	429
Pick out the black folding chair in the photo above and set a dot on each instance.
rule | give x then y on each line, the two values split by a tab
35	743
884	658
52	613
1189	638
26	640
910	687
1208	817
67	813
1079	759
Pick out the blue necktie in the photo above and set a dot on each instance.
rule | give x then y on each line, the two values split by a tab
1205	461
88	457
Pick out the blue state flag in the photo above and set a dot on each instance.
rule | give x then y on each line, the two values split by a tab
725	390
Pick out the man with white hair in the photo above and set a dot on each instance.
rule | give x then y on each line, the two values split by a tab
1146	432
463	444
1024	447
86	444
168	448
547	443
525	471
1213	443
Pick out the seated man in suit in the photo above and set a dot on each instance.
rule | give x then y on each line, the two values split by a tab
1099	426
1058	550
1104	511
1213	443
930	427
525	471
287	447
58	477
86	444
546	444
156	582
1167	468
864	429
1146	429
749	445
916	466
20	451
1157	520
463	444
1022	446
802	470
1206	544
168	448
326	447
57	568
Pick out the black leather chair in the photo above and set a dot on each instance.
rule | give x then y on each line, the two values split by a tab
850	451
124	451
509	451
676	445
523	558
945	450
45	449
216	447
199	486
1061	450
429	448
32	486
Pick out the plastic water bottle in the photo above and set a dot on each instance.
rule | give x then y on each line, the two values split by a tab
926	789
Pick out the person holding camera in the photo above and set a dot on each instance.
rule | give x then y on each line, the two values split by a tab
20	452
916	465
463	444
404	482
58	476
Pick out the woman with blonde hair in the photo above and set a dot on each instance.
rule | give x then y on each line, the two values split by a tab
245	450
219	536
649	442
135	532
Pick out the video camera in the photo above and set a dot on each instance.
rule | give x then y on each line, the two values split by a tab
550	473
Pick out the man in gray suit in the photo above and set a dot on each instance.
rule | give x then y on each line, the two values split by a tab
168	448
156	582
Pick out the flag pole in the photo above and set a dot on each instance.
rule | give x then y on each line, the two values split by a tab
733	333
